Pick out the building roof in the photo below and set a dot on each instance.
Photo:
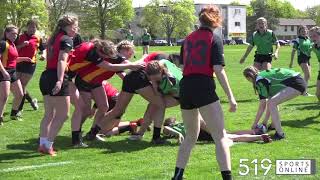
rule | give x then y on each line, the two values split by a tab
290	22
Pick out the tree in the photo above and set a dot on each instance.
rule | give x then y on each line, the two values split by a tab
18	12
314	13
173	18
105	15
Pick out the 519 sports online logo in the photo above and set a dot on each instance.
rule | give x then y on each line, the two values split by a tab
282	167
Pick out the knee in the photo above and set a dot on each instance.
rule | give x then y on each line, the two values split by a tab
271	104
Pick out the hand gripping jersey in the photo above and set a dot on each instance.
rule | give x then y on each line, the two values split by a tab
62	42
85	60
170	84
303	45
197	53
269	82
9	54
30	50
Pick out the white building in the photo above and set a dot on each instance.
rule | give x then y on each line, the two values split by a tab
234	21
288	28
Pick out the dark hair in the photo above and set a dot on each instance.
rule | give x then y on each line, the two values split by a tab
174	57
155	67
169	121
7	29
210	16
106	47
33	22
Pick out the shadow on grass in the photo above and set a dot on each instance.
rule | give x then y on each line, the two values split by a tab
11	157
302	123
241	101
306	106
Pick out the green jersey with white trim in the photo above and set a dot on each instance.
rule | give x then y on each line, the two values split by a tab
303	45
179	127
170	83
264	41
269	82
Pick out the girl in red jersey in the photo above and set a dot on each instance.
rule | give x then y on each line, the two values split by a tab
135	82
54	83
8	78
94	62
28	45
202	54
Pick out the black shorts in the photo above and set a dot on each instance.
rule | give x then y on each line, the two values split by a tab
204	136
84	86
302	58
319	76
260	58
48	81
13	76
297	83
135	80
146	43
26	67
197	91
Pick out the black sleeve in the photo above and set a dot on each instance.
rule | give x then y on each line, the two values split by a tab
181	55
41	45
93	57
66	43
2	46
217	54
77	40
117	60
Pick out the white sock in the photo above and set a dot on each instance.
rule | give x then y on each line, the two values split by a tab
48	144
43	140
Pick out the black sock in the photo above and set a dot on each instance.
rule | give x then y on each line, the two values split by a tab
75	137
156	133
124	129
178	174
22	103
28	98
14	112
226	175
95	130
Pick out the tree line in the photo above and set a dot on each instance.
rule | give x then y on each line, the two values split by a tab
163	18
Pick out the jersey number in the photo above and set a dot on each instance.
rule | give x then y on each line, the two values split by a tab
199	58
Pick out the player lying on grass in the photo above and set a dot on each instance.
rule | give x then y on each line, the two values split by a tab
177	130
274	86
118	126
315	36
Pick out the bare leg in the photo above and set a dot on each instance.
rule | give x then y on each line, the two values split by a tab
4	94
16	89
48	116
266	65
78	103
306	71
257	65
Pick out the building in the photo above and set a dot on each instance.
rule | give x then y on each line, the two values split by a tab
288	28
234	21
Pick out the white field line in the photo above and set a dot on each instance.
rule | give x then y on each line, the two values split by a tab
22	168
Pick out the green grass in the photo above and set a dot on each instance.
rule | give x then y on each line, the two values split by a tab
121	159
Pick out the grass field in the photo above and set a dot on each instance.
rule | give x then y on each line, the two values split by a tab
119	158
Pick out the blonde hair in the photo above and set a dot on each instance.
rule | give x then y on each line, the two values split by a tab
252	73
155	67
126	45
106	47
315	29
210	16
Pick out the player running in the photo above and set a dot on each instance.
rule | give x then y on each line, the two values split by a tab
274	86
28	45
202	54
303	46
263	38
54	82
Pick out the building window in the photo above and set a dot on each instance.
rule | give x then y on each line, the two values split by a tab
237	23
285	28
292	28
237	11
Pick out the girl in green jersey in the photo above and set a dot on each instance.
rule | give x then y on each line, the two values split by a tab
274	86
315	36
303	46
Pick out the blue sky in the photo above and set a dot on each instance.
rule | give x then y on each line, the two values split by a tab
299	4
